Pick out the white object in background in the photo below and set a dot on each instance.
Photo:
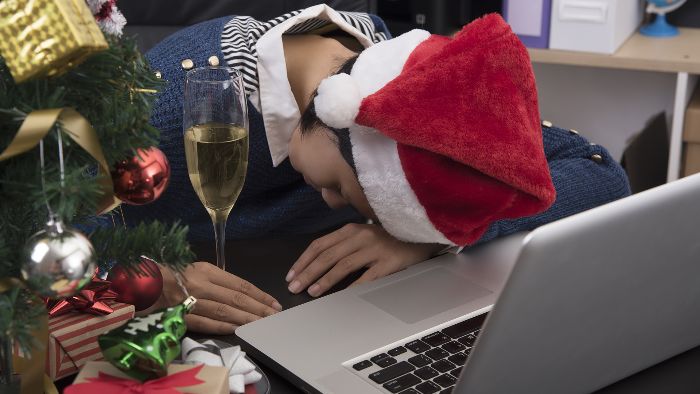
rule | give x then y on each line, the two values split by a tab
600	26
241	371
525	16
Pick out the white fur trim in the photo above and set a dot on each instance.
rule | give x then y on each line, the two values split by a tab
388	192
338	101
339	97
376	158
379	64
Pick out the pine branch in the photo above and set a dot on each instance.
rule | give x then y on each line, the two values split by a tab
112	89
166	245
20	314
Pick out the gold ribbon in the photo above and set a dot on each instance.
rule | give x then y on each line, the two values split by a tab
49	387
9	283
38	124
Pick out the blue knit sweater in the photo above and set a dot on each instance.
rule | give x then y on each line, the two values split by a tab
275	200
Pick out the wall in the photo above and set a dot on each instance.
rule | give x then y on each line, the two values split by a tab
607	106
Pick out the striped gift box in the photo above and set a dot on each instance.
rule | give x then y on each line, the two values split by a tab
73	338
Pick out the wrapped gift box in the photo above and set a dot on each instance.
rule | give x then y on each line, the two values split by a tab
73	338
214	379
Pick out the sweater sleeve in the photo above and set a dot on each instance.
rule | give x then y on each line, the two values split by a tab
584	176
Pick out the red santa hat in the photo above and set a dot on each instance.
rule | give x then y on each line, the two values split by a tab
445	132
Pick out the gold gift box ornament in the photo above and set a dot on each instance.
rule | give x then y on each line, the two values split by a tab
47	37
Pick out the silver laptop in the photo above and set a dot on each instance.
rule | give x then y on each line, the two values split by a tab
568	308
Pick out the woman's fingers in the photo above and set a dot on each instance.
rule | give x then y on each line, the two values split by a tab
315	248
341	269
323	262
222	312
234	283
206	325
235	299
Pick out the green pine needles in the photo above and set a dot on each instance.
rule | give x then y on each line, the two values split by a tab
113	90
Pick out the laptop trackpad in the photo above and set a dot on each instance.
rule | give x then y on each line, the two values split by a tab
425	295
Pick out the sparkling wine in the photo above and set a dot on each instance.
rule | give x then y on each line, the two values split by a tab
217	159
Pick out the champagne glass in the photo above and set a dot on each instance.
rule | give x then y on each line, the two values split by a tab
215	122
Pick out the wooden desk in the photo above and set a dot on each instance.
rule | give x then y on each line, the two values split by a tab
679	55
265	262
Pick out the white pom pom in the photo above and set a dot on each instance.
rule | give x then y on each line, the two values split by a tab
338	101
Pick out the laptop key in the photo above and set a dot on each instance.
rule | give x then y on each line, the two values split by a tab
427	387
443	365
435	339
447	390
378	357
437	353
417	346
445	380
468	340
362	365
410	391
426	373
385	362
463	328
402	383
420	360
455	372
453	347
397	350
458	358
392	372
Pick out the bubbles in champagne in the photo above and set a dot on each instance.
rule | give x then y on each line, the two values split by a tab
217	159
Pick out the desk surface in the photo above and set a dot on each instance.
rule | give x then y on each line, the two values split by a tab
676	54
265	262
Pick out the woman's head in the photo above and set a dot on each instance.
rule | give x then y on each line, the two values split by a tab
444	133
323	156
315	154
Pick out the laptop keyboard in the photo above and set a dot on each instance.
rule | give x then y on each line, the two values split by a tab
430	364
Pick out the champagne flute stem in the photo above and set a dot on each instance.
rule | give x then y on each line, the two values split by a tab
220	234
219	220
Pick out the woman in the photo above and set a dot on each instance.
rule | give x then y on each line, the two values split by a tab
284	62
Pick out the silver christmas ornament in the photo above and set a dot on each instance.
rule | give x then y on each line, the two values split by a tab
59	261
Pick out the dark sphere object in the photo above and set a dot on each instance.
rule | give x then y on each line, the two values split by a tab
140	290
142	178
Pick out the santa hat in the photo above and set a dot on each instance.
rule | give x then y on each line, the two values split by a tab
445	132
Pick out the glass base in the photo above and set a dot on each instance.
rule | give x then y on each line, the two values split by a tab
659	28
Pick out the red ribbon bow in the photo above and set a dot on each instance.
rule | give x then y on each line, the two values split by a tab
91	299
108	384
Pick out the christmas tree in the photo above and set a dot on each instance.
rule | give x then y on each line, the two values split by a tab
63	178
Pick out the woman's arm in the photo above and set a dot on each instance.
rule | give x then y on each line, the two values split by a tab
584	176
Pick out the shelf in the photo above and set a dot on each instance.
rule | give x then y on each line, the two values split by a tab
677	54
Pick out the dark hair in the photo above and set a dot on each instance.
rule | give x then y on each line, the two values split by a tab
310	121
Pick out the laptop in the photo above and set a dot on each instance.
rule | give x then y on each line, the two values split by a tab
571	307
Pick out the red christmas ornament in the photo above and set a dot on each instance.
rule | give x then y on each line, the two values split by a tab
143	178
140	290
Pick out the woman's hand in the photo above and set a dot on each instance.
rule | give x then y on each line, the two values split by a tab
331	258
224	301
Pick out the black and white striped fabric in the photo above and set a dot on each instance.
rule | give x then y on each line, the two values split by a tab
240	35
